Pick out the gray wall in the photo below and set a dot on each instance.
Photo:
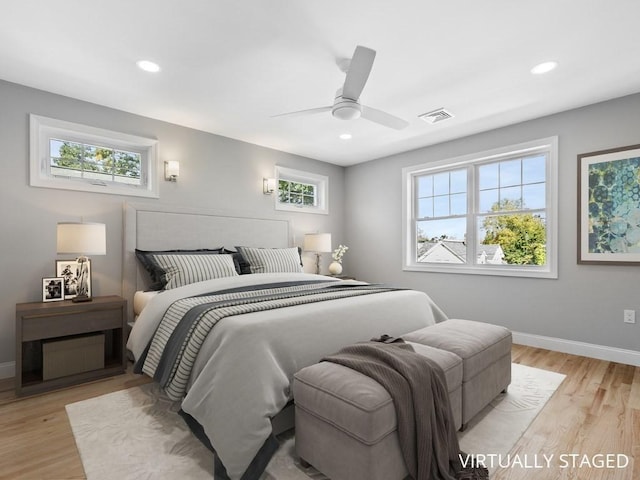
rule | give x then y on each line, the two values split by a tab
584	304
215	172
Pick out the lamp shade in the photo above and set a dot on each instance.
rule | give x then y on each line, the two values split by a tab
82	238
317	242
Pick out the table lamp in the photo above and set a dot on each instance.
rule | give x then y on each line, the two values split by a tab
82	239
318	243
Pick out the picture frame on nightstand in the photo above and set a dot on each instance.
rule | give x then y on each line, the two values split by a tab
52	289
68	269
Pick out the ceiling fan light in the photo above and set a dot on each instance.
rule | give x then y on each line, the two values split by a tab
346	111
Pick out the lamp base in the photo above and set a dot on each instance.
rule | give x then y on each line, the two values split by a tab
81	298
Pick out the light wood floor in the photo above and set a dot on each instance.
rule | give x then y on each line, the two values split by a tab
595	411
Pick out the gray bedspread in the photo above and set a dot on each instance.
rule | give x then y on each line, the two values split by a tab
242	374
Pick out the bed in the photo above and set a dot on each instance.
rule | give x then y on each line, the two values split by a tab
239	379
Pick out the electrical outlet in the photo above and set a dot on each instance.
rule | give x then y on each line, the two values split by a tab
629	316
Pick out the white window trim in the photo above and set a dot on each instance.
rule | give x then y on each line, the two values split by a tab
44	128
550	270
322	190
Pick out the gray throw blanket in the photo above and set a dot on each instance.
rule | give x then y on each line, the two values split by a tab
417	385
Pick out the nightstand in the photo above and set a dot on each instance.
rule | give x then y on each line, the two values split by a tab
59	344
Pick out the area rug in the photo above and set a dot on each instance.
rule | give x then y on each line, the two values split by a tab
136	434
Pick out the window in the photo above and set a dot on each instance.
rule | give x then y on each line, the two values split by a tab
301	191
77	157
492	213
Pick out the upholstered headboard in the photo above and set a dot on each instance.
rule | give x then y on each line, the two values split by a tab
162	227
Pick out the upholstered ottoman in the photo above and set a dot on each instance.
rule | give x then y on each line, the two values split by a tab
485	351
346	421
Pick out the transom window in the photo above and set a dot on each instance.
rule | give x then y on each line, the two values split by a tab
301	191
297	193
79	160
490	213
78	157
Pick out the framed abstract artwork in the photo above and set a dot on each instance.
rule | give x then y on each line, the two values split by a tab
609	206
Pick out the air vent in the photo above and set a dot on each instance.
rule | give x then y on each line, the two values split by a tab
436	116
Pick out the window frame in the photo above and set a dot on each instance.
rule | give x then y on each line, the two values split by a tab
321	183
43	129
548	145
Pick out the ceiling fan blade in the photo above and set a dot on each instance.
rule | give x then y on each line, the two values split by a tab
309	111
383	118
358	72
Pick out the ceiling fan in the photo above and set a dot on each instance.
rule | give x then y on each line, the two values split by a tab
346	105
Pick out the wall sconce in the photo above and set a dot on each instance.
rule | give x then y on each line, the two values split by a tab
268	185
171	171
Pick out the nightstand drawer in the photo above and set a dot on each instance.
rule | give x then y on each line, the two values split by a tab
39	327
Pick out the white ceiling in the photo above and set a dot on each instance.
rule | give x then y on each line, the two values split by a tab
228	66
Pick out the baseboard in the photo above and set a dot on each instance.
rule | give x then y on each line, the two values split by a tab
601	352
7	369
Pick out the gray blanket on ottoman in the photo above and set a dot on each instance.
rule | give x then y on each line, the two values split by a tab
417	385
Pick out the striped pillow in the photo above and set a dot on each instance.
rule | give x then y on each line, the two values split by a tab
180	270
272	260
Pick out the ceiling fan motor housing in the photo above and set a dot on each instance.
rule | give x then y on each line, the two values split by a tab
345	108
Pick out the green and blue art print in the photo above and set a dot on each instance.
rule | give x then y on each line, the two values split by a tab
609	204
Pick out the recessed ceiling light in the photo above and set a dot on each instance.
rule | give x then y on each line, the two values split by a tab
345	136
148	66
544	67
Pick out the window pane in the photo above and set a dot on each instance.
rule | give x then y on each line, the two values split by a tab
442	241
488	198
459	204
510	173
511	198
65	154
521	238
449	228
425	207
441	183
127	164
459	181
441	206
104	159
54	147
283	191
533	196
533	169
425	186
488	176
